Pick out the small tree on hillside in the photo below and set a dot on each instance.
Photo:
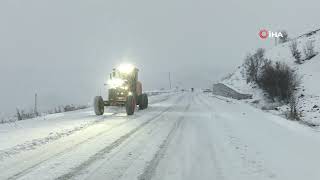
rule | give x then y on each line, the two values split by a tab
253	63
295	52
284	38
294	113
19	117
279	81
309	50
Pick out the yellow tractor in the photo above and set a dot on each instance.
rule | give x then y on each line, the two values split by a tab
124	89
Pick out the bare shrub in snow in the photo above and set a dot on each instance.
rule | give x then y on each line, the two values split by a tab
57	110
294	114
279	81
295	52
72	107
67	108
251	68
309	50
22	115
19	115
253	63
284	38
2	121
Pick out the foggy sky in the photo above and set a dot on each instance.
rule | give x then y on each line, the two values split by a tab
64	49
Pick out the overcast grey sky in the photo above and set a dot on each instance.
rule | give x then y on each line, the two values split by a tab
64	49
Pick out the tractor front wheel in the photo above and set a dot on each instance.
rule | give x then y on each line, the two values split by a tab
130	105
98	105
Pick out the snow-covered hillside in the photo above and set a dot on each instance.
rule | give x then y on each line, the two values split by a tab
309	91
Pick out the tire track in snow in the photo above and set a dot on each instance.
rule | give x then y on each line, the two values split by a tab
33	144
201	101
113	145
53	136
150	169
251	162
110	147
25	171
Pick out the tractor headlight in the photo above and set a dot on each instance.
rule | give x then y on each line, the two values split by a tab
116	82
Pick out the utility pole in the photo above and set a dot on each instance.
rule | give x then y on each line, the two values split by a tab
170	79
36	104
212	88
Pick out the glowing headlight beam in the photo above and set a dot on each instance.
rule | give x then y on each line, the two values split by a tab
126	68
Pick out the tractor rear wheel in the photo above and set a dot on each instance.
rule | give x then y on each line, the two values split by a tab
130	105
143	101
146	101
98	105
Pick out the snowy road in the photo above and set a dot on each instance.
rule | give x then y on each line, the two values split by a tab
182	136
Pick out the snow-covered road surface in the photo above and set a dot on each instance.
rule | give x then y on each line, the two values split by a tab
181	136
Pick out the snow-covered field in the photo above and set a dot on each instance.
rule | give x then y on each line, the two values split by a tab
309	92
180	136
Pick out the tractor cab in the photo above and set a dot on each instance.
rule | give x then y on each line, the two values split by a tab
123	77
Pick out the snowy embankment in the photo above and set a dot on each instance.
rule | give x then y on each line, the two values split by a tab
309	90
223	90
19	136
